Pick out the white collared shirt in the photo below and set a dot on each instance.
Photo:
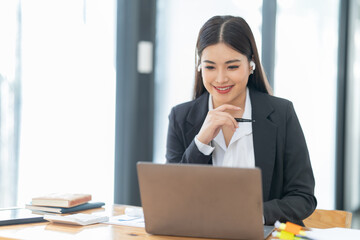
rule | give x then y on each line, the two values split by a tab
240	151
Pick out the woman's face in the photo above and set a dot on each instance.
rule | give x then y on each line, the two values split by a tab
225	74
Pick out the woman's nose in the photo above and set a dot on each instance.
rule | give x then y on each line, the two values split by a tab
222	77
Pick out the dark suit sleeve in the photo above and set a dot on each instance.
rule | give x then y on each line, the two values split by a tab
297	199
177	148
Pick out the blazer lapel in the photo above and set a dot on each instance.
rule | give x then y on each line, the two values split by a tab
196	117
264	137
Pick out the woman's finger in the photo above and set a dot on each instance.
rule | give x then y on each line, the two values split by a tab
225	107
225	117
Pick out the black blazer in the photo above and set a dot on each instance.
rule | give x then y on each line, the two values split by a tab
280	152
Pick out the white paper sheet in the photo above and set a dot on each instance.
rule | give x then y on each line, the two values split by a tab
126	220
333	234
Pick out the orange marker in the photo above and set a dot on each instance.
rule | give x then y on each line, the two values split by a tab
290	227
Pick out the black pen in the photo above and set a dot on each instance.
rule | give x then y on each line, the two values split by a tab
244	120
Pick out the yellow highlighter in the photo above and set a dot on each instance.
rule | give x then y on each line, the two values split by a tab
290	227
285	235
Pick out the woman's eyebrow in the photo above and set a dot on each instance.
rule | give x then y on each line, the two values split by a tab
227	62
232	61
208	61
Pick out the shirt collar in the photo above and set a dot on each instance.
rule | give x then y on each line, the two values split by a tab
247	111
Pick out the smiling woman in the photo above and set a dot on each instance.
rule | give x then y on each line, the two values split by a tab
228	85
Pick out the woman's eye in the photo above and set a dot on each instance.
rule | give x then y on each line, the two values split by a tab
233	67
210	67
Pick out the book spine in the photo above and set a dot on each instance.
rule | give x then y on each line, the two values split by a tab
79	201
83	207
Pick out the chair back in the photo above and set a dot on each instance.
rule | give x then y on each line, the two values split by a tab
329	219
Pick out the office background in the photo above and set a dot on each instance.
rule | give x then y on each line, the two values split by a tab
77	110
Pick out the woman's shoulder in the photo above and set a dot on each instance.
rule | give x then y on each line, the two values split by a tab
279	108
277	102
193	107
182	109
280	102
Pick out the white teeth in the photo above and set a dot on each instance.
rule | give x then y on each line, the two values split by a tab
223	89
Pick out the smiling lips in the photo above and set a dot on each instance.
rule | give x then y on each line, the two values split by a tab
223	89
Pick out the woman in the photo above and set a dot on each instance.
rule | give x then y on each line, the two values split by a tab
229	84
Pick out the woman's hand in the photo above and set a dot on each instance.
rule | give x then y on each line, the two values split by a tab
215	120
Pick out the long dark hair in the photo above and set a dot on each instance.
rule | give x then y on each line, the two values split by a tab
236	33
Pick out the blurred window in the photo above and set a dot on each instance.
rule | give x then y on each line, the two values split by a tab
68	98
306	73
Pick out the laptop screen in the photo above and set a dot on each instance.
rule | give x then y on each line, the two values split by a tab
201	200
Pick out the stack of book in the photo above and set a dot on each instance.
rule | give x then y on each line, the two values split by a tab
62	203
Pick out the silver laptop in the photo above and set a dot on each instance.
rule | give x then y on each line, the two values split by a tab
202	201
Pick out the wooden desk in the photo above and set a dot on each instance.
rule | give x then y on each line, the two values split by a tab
100	231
